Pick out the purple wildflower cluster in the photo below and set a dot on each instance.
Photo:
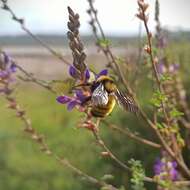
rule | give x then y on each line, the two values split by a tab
80	95
7	68
165	169
163	69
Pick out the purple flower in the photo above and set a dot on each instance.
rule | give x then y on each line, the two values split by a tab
87	74
63	99
72	101
7	65
161	68
13	67
174	164
173	68
166	169
72	104
174	174
4	74
102	72
172	170
158	167
80	95
73	72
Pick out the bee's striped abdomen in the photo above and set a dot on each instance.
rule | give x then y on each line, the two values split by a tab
104	110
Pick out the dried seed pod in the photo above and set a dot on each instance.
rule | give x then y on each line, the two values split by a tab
82	57
70	11
71	26
70	35
75	43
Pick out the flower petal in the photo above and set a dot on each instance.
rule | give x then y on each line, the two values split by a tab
102	72
80	95
87	74
158	166
174	174
161	68
71	105
4	74
73	71
63	99
13	67
174	164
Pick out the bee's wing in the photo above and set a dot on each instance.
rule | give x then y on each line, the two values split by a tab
100	96
126	102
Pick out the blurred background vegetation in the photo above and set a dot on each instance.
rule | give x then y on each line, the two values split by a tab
24	167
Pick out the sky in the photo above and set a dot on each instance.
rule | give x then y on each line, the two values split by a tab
117	16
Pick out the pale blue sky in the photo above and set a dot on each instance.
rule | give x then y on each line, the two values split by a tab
117	16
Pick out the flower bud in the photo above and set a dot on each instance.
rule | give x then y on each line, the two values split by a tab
105	154
147	49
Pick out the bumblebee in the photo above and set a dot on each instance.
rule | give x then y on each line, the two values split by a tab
105	95
100	95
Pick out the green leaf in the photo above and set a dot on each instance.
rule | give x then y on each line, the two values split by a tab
138	174
158	98
165	77
160	126
164	184
175	113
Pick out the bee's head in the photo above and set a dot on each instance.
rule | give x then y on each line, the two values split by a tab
108	83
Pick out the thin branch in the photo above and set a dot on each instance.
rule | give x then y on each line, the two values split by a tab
114	158
132	135
102	144
144	18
